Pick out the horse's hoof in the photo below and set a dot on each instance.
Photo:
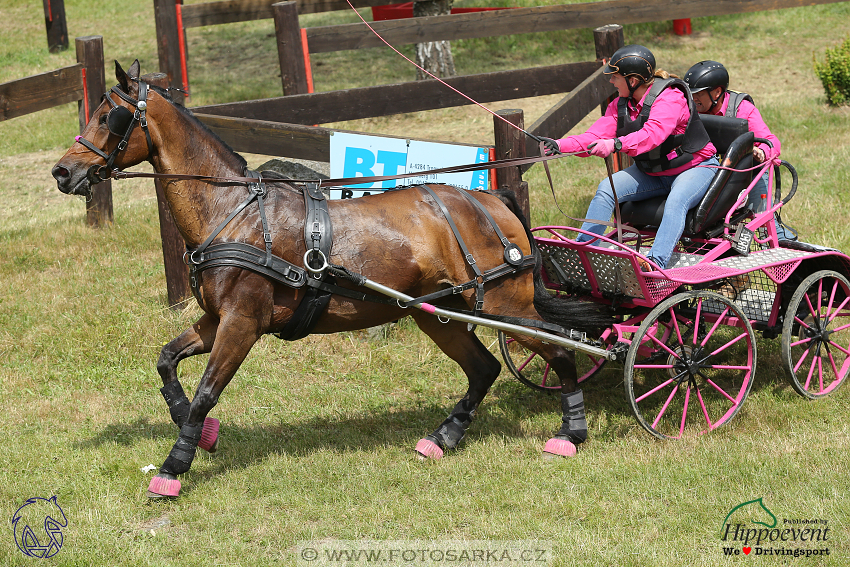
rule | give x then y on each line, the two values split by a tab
428	450
162	487
558	448
209	435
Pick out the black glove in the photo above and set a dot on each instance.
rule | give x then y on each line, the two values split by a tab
550	147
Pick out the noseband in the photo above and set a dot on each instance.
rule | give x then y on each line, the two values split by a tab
121	122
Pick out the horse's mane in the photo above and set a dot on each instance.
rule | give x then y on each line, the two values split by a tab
188	113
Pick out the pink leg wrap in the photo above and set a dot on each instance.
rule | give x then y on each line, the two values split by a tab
429	449
164	486
560	447
209	435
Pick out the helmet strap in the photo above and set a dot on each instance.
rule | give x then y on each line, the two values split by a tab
714	101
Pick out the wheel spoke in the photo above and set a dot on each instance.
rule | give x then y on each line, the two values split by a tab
676	326
685	410
696	321
652	391
811	369
802	358
838	310
798	343
522	366
704	409
722	391
714	327
729	344
839	347
663	409
842	327
665	347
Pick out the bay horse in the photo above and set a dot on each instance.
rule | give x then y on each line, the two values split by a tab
400	238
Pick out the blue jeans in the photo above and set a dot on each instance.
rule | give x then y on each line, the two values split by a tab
683	192
759	205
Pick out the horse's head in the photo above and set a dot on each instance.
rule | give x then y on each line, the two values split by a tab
119	134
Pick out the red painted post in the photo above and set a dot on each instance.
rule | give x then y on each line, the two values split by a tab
290	49
57	26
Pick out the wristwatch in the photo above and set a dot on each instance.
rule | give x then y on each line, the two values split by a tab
618	145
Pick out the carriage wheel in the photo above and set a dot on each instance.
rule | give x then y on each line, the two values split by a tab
686	371
529	367
816	339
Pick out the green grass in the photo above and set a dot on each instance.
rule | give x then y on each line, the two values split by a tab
317	435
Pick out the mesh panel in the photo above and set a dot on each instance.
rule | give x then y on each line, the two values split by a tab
563	266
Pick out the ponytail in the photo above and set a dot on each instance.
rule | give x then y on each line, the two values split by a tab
662	74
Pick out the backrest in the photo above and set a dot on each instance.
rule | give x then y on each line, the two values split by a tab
734	142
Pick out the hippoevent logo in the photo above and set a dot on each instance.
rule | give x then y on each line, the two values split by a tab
37	526
750	528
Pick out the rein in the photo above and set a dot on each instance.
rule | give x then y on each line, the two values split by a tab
343	181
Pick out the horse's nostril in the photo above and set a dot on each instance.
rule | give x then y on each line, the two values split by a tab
60	172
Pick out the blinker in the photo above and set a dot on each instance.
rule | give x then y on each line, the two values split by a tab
119	120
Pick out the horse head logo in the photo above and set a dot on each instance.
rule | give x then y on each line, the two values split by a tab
755	511
37	525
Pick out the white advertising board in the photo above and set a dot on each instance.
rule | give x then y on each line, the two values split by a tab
358	155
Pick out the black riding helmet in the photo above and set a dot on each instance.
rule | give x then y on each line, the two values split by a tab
708	75
632	61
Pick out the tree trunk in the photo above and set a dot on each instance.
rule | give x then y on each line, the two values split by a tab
434	56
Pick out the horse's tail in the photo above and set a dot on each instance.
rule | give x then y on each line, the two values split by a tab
568	311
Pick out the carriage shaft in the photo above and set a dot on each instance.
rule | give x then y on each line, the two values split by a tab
499	325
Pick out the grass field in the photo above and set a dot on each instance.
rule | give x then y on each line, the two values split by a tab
317	435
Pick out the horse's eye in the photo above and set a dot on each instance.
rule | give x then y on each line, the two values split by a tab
102	119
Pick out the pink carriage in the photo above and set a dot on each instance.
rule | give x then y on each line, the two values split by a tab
687	333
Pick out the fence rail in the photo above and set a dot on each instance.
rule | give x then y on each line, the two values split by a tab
230	11
527	20
369	102
40	92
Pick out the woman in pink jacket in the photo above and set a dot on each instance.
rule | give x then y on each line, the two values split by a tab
655	122
709	84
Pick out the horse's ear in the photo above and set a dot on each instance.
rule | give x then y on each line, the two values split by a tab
135	70
123	79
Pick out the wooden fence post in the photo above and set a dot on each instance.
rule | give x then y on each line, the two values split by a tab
90	54
168	44
173	245
607	40
290	50
510	143
57	26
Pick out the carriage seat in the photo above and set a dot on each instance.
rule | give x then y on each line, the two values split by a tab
734	142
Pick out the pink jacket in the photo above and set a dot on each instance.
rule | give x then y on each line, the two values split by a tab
669	115
757	126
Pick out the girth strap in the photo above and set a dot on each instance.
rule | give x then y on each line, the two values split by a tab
318	239
470	259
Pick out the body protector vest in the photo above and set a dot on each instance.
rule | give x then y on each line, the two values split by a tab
735	99
678	149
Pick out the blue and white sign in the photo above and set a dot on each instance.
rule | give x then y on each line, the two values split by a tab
357	155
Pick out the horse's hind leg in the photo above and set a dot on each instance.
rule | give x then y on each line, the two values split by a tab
481	368
573	430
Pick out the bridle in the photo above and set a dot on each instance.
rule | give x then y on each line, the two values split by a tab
121	122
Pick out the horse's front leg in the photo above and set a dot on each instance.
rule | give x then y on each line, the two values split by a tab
197	339
234	338
481	369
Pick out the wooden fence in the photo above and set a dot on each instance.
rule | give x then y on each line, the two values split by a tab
172	19
85	83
